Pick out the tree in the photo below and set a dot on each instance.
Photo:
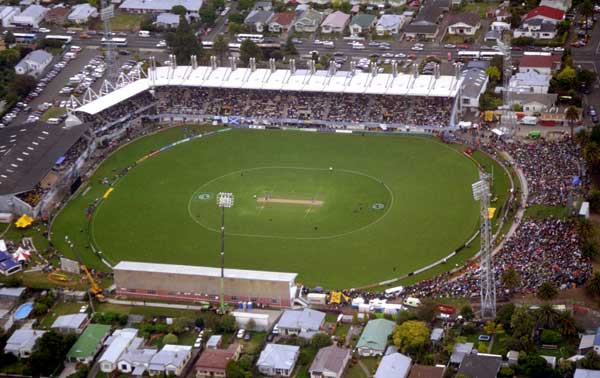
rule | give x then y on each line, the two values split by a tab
228	323
170	338
584	228
49	352
234	370
493	328
494	74
289	48
547	291
22	85
586	9
405	315
567	78
593	285
9	58
251	325
411	336
590	361
221	47
184	42
547	316
534	366
179	10
565	324
9	38
589	248
511	279
180	325
572	116
549	336
320	340
248	50
522	322
236	17
467	312
208	14
427	311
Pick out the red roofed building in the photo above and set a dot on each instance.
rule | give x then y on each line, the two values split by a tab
213	362
544	64
281	22
545	13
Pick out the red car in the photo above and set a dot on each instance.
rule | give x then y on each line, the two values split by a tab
463	46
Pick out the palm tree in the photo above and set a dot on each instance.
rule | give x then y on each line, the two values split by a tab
587	11
547	291
547	316
511	279
565	324
572	116
593	285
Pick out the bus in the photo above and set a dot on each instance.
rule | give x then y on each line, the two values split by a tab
488	55
468	54
114	41
144	33
65	39
538	53
256	38
24	37
208	44
235	46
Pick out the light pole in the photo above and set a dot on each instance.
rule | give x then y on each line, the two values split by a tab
224	200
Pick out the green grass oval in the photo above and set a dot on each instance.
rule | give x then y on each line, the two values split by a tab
147	217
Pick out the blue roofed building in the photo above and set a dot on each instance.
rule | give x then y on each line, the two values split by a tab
395	365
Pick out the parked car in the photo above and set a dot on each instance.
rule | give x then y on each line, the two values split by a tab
241	333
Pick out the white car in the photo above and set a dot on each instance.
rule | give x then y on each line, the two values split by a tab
161	44
44	30
358	46
417	48
241	333
400	55
317	42
559	49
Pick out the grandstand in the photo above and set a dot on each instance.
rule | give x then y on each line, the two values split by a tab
188	283
383	96
39	163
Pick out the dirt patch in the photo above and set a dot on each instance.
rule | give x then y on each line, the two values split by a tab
289	201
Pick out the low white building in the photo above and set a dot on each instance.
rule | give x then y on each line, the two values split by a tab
474	85
81	13
463	23
336	22
116	345
167	20
278	360
6	15
537	29
72	323
390	24
32	16
529	82
22	342
136	359
159	6
171	360
33	63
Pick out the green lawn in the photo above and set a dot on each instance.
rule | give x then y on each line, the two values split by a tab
61	308
164	209
354	371
53	112
126	22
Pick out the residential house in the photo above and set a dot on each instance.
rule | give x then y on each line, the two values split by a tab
7	13
585	373
213	362
529	82
436	335
263	5
330	362
374	337
395	365
258	19
421	29
88	344
533	103
587	343
544	64
390	24
425	371
33	63
537	29
159	6
81	13
473	86
214	342
459	352
136	359
72	323
336	22
308	21
170	360
12	293
116	345
57	15
362	23
22	342
304	323
278	360
563	5
480	365
167	20
545	13
513	357
32	16
463	23
282	22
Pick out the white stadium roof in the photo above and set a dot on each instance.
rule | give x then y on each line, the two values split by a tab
283	80
205	271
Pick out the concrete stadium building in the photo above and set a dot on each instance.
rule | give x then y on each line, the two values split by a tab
188	283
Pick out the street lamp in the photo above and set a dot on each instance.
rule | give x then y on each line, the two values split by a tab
224	200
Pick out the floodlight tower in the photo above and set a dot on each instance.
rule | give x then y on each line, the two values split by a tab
106	13
224	201
481	193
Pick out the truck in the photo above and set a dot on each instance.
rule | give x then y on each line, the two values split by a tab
316	298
